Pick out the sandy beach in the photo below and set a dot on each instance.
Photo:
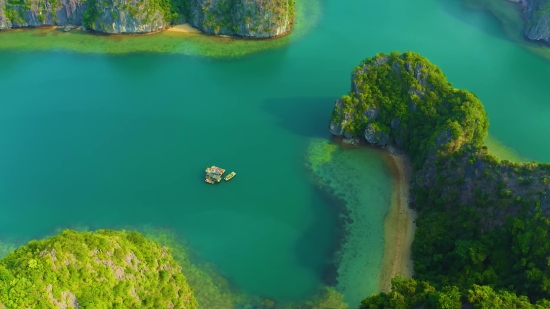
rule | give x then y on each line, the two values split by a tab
399	224
183	28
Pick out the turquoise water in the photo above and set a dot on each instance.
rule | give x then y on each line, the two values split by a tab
116	140
359	177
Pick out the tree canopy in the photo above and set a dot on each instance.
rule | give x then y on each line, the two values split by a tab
482	226
103	269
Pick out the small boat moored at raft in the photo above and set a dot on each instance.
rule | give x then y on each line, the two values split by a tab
231	175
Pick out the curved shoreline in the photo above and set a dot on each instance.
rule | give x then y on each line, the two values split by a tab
399	224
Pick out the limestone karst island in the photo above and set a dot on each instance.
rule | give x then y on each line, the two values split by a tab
244	18
390	154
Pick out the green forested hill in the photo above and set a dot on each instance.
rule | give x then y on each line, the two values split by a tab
103	269
483	224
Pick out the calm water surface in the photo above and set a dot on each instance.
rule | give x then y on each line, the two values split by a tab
107	141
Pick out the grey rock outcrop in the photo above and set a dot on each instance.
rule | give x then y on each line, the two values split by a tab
134	16
538	20
244	18
4	22
34	13
374	136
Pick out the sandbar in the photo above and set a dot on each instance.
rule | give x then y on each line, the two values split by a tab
399	224
183	28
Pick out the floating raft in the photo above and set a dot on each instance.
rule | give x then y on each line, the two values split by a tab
231	175
214	174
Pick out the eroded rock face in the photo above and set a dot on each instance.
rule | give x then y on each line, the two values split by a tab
35	13
110	16
263	18
120	16
538	20
3	20
245	18
375	137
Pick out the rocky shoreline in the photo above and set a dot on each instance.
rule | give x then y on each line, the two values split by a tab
255	19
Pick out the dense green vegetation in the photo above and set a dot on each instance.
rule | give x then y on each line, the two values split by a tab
63	271
413	94
410	293
482	226
104	269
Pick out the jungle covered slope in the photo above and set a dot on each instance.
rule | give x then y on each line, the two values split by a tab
482	226
103	269
246	18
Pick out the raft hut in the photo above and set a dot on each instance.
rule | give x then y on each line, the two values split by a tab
214	174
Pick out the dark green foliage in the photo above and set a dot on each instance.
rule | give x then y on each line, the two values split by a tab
480	222
409	89
489	231
91	14
105	269
180	9
412	294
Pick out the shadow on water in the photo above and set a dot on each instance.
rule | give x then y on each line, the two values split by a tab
246	70
305	116
135	66
9	62
320	236
475	18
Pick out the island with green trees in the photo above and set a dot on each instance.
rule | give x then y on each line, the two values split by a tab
103	269
482	226
242	18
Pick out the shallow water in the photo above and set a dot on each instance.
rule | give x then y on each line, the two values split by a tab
108	140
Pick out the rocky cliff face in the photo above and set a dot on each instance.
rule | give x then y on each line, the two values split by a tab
4	23
35	13
120	16
538	20
245	18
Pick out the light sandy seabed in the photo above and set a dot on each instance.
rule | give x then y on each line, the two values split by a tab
399	224
183	28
